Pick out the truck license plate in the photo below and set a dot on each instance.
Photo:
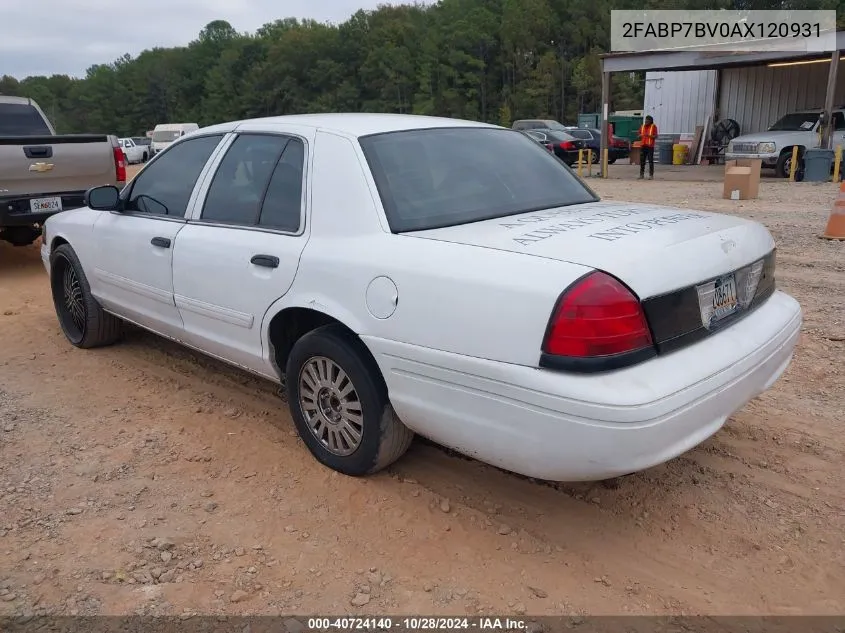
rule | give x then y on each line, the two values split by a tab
724	297
39	205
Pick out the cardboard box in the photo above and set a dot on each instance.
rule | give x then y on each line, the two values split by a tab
742	179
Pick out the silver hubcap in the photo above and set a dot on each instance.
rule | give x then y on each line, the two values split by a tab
73	297
330	406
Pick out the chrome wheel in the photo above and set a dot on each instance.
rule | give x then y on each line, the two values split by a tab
330	406
73	299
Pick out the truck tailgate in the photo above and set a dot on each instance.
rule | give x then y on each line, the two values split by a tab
48	164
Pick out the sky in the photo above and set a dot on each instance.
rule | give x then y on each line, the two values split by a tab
45	37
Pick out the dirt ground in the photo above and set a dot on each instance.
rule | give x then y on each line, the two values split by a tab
143	478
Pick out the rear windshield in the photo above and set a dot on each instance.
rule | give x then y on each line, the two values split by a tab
21	119
140	140
449	176
163	136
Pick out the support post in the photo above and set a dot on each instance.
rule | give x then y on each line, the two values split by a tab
605	111
828	100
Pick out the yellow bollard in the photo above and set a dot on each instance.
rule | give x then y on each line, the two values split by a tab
794	164
604	164
589	162
580	161
837	163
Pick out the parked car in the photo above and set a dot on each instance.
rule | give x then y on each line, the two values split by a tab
42	174
165	133
402	274
538	124
134	153
563	145
774	147
619	148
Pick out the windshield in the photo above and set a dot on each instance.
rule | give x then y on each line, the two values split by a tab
140	140
796	122
449	176
21	119
165	136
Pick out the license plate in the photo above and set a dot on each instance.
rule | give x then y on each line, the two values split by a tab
39	205
724	297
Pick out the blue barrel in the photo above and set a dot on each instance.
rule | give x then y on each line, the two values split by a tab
817	165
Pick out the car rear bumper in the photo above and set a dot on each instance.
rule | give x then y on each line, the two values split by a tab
564	427
15	209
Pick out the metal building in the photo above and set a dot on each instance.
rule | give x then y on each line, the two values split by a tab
754	96
689	87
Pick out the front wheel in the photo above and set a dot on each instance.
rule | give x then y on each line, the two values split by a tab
339	404
84	322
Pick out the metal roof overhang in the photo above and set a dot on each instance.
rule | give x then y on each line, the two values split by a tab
705	60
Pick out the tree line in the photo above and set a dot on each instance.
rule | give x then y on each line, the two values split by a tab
489	60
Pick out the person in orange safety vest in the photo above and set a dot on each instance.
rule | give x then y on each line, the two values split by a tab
648	136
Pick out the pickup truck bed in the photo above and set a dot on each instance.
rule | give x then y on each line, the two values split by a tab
42	174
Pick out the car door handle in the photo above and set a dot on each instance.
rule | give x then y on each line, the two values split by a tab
268	261
162	242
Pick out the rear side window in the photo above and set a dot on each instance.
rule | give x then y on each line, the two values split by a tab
282	207
449	176
258	182
21	119
238	187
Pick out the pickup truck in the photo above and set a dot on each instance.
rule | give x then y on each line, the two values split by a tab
42	174
774	146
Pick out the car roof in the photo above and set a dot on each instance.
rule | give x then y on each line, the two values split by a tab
355	124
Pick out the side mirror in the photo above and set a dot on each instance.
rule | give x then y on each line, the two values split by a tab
104	198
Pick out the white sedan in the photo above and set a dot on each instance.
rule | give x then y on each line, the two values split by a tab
402	274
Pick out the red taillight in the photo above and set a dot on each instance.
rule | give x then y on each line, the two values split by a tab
597	317
119	165
567	145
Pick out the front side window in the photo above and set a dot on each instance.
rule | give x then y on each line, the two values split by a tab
165	186
441	177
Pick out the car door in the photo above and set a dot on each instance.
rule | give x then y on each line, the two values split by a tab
240	251
134	246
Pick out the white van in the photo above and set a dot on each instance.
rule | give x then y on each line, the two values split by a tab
165	133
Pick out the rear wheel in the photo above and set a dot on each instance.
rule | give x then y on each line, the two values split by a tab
339	404
20	235
84	322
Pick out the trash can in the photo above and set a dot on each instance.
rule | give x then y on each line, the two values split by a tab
664	152
679	154
817	164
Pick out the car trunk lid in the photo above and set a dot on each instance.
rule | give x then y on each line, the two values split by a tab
653	249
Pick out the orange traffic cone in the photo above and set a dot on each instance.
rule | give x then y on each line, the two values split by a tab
836	224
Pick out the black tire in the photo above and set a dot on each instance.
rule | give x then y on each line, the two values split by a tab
20	235
93	327
610	161
383	437
144	158
783	165
594	158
